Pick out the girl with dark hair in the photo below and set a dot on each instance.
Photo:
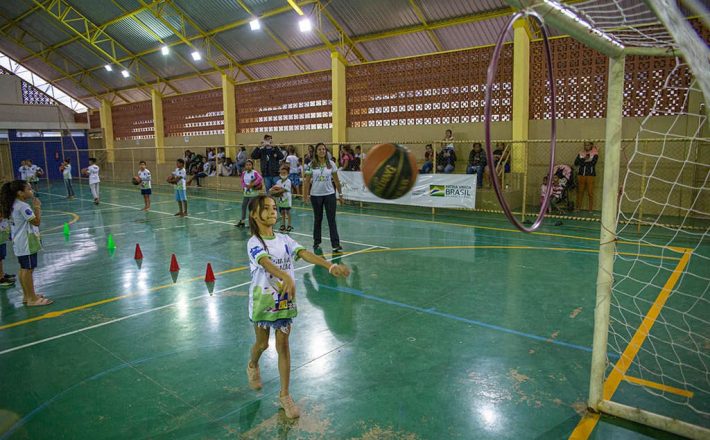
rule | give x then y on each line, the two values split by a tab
24	227
272	293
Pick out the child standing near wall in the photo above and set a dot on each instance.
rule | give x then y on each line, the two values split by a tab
282	191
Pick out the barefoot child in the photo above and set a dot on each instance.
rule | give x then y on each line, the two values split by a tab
181	188
24	226
144	174
272	293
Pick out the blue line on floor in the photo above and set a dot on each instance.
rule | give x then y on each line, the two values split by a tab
430	311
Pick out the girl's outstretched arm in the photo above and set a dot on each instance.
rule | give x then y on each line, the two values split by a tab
337	270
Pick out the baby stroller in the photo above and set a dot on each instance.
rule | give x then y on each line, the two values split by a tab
561	202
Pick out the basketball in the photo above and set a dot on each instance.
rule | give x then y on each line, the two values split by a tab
136	180
389	171
172	179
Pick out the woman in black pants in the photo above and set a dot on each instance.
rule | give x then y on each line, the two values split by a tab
321	182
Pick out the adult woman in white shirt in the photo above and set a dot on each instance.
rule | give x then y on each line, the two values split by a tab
321	184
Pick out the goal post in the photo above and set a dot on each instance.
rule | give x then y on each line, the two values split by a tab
651	334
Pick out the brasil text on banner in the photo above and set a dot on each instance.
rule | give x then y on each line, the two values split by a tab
430	190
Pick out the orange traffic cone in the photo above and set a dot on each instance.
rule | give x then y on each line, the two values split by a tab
138	256
209	278
174	268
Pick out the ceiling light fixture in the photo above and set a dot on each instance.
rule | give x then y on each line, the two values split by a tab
196	56
108	67
255	25
126	73
305	25
165	50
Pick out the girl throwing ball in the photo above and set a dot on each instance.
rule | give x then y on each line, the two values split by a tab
272	293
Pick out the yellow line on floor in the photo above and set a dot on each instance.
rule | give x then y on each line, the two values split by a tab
75	218
585	426
58	313
618	372
463	225
659	386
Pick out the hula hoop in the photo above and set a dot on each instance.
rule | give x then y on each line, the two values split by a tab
492	70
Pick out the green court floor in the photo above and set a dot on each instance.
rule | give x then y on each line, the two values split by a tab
450	327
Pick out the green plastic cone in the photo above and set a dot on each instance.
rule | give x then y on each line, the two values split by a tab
66	229
110	244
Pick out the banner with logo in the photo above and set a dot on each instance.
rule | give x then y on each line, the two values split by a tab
430	190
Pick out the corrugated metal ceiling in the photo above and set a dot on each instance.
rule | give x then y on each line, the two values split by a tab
359	19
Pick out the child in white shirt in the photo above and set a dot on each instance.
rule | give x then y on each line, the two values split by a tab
272	293
179	176
93	172
24	227
65	169
282	192
145	185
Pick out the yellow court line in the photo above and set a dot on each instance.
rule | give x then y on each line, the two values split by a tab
109	300
659	386
237	269
490	228
586	425
75	218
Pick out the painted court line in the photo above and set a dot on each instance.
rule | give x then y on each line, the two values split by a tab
123	318
434	312
659	386
226	223
676	249
589	421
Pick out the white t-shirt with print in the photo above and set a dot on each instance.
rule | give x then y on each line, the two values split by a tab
4	230
322	179
292	161
32	173
284	200
182	175
249	177
283	251
24	172
66	174
25	236
145	178
93	174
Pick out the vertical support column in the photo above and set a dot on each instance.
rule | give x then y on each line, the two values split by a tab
229	105
612	149
158	126
521	102
340	119
107	125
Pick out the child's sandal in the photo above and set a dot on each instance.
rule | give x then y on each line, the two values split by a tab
289	229
282	228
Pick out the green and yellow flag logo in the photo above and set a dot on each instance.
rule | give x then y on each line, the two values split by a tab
437	190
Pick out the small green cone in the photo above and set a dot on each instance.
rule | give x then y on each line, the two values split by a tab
66	229
110	244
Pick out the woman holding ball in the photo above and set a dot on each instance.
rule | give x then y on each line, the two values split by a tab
321	183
